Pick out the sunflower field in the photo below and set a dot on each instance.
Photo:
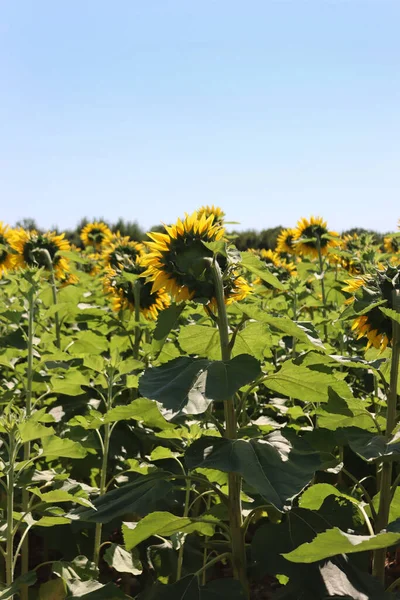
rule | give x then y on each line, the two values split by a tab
184	421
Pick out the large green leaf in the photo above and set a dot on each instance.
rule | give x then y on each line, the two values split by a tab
55	447
88	342
122	561
143	496
188	385
334	541
305	384
143	410
274	466
164	524
31	430
252	263
370	446
9	592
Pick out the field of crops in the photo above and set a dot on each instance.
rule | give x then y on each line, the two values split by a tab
183	421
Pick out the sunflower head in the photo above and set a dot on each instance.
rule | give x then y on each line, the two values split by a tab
391	244
96	234
121	288
179	259
368	294
311	233
212	210
284	242
34	249
8	259
122	252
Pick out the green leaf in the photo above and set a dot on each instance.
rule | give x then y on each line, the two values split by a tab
88	342
167	320
93	590
122	561
334	541
163	524
70	383
305	384
370	446
56	447
143	410
188	385
252	263
144	495
28	579
61	496
94	362
274	466
314	496
31	430
392	314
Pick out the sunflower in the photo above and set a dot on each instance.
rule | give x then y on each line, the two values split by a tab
284	242
96	234
28	245
367	291
212	210
180	262
122	251
312	233
391	244
7	257
270	257
121	290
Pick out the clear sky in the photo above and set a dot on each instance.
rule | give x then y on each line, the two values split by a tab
146	109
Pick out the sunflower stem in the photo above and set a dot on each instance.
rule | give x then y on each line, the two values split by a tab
27	445
136	297
379	556
185	514
321	273
234	480
103	470
53	286
10	510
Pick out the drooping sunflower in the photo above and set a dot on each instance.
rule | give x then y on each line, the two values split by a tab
7	257
121	290
212	210
122	250
374	291
284	242
270	257
28	245
311	233
96	234
180	262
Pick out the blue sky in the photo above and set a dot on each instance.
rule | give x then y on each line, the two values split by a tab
271	109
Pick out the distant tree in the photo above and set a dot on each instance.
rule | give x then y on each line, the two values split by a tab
28	224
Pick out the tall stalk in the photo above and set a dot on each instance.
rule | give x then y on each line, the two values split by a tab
10	510
185	514
27	445
136	297
322	274
103	470
234	480
53	286
379	557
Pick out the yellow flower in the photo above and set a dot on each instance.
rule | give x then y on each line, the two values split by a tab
121	291
96	234
121	252
214	211
310	233
366	292
284	242
7	257
270	257
28	245
179	261
391	244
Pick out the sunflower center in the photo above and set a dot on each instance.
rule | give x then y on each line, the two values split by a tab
120	254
